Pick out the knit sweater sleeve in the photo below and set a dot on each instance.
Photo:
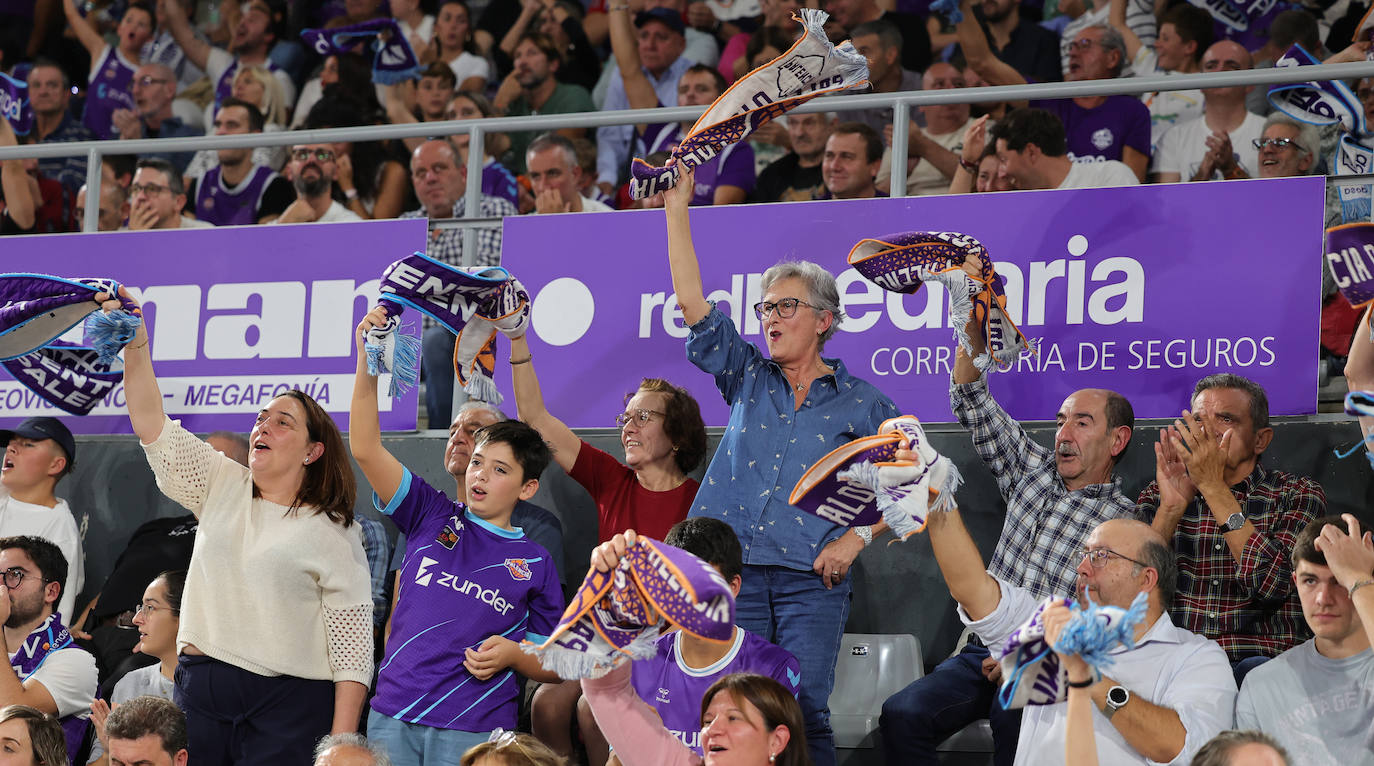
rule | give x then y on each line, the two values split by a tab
346	600
184	466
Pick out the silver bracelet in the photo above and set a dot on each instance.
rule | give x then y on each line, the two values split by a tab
1358	585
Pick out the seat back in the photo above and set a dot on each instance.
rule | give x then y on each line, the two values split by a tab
870	668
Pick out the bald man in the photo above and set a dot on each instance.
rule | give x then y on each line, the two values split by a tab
1219	144
1162	700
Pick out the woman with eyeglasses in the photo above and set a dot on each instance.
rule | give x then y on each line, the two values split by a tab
112	66
275	642
157	619
788	408
30	737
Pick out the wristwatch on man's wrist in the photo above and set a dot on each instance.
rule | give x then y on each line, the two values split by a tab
1117	697
865	534
1233	522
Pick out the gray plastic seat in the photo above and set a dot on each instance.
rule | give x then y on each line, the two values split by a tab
870	668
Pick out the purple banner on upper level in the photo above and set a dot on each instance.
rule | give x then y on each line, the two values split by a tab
1142	289
237	315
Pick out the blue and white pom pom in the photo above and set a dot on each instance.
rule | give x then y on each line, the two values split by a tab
1094	631
108	332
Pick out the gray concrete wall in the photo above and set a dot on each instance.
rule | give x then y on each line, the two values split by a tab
897	588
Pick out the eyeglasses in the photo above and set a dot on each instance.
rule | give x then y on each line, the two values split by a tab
148	80
304	155
151	190
1099	557
785	307
1083	43
640	416
1277	143
14	577
148	610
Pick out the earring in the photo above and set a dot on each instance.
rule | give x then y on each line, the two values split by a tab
675	448
772	757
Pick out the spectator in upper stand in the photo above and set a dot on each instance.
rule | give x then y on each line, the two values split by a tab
1287	147
252	39
797	175
112	66
153	88
586	159
49	94
532	87
373	182
853	153
20	187
258	87
933	151
881	43
452	44
1020	43
1096	127
1294	26
1031	152
1231	521
156	198
1138	17
426	101
497	180
915	49
312	171
147	731
556	177
416	25
114	207
163	49
342	75
237	192
978	164
48	671
561	22
659	45
1185	33
1220	143
39	452
1316	697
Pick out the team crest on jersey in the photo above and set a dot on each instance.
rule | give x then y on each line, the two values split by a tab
1103	138
662	696
519	569
448	536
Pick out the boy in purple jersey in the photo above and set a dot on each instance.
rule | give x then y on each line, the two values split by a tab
470	589
674	680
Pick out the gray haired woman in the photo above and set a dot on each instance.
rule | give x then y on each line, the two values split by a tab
787	410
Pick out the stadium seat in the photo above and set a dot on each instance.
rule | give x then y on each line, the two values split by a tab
870	668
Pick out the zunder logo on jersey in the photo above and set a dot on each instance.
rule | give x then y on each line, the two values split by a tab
519	569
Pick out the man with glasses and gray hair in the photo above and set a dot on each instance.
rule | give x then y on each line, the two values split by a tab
312	170
1288	148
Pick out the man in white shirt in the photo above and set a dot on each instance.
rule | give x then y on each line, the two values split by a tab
1220	143
1031	150
1317	699
38	453
1163	700
312	170
556	176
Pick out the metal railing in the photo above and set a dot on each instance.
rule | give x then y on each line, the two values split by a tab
900	103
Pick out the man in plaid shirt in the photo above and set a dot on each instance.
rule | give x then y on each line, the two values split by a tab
439	175
1232	521
1055	498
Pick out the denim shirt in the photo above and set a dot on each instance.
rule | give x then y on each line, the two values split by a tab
769	443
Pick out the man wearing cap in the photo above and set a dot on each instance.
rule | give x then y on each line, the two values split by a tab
38	453
661	41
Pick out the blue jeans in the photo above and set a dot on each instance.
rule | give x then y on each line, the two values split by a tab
436	361
411	744
918	718
794	610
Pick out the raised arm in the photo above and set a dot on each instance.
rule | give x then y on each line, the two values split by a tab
962	564
528	9
383	471
638	89
141	393
1117	18
196	49
90	39
1359	368
682	256
974	42
529	401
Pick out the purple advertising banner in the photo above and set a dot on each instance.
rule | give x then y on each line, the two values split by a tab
1141	289
236	315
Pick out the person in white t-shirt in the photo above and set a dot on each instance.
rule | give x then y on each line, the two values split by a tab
1031	151
312	171
934	154
1185	32
38	453
1220	143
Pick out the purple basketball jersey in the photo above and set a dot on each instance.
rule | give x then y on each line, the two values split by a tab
111	88
462	581
675	690
222	206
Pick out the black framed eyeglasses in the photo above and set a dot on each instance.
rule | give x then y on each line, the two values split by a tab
320	155
639	416
1099	557
1277	143
152	190
14	577
785	307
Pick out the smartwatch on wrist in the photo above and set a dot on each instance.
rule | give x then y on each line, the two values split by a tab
1117	697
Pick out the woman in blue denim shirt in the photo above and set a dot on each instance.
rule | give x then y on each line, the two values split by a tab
787	410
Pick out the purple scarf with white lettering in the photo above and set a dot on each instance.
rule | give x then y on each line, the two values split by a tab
1328	102
393	60
1350	258
35	309
810	68
47	638
619	615
14	104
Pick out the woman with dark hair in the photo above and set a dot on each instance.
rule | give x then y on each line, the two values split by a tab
746	719
31	738
275	638
342	75
374	184
111	78
497	180
452	44
157	619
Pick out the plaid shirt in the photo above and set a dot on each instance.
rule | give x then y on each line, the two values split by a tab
1047	523
1249	608
378	550
447	244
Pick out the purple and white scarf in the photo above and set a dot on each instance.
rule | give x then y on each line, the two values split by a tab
902	262
1328	102
47	638
35	309
472	304
1031	671
14	104
393	59
618	615
1350	259
860	483
810	68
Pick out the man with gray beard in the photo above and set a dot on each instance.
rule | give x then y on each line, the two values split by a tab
312	170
